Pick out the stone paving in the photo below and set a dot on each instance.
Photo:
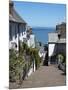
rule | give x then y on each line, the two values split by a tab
45	76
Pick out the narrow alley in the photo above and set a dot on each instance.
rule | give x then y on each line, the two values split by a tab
45	76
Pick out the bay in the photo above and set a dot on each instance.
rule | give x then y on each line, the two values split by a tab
41	33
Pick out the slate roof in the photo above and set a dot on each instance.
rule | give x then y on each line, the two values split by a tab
53	38
14	16
11	18
63	40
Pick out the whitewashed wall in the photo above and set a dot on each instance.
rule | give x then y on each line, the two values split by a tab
31	41
21	30
23	34
51	49
14	27
17	38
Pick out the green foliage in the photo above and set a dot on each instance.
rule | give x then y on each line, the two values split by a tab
62	58
33	52
24	45
35	56
12	64
15	65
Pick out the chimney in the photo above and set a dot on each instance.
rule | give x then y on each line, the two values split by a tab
10	6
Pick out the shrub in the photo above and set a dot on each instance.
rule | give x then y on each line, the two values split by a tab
62	57
15	65
18	66
35	56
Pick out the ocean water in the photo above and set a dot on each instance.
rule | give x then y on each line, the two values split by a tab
41	33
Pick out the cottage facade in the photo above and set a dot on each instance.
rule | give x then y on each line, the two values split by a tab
16	27
19	30
57	42
30	37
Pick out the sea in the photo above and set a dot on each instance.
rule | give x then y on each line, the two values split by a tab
41	33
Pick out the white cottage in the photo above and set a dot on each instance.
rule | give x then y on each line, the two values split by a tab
52	40
18	31
57	43
29	37
55	46
31	41
16	27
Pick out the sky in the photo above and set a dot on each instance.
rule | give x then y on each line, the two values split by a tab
41	14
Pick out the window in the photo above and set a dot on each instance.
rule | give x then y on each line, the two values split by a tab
22	29
10	32
19	29
15	31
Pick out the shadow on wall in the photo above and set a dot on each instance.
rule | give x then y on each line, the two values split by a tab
45	62
58	49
